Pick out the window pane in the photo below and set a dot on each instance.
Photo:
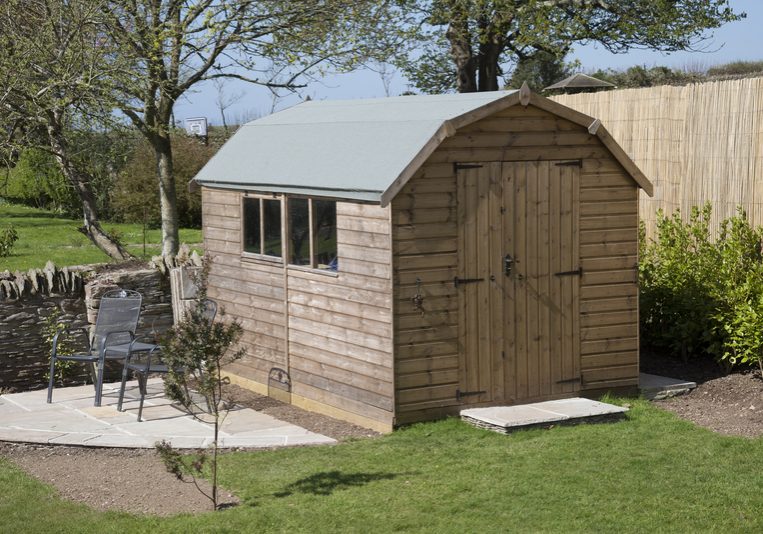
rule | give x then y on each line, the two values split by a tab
272	217
299	232
252	225
324	244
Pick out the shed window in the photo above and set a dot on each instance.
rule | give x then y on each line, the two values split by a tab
312	233
262	226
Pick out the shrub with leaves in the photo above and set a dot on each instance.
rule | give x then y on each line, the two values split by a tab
67	345
8	237
703	296
196	351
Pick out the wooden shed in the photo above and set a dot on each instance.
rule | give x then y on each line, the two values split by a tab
397	259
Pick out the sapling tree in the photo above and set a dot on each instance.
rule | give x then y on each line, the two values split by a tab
196	350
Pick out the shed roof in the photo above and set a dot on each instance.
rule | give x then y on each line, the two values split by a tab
579	81
353	149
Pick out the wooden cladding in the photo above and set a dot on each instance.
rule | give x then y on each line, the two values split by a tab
427	221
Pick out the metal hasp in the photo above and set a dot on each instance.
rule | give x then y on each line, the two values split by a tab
461	394
577	272
508	264
461	281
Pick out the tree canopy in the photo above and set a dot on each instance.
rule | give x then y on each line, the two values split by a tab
470	45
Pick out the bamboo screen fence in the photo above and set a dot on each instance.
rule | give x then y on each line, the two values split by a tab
697	143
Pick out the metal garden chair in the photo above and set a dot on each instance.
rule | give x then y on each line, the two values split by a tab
144	362
112	338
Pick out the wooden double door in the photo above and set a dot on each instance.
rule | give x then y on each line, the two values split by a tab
518	281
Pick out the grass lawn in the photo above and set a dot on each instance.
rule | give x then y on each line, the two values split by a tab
45	236
650	472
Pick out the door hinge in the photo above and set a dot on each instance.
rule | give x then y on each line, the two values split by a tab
459	166
460	281
570	273
461	394
573	163
568	380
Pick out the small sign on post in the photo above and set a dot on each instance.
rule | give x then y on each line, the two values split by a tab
197	127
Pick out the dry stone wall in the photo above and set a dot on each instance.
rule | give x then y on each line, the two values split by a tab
28	299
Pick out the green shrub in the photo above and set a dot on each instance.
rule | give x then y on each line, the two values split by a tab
737	68
8	236
699	295
36	181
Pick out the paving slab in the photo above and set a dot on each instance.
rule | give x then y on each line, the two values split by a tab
655	387
505	419
71	419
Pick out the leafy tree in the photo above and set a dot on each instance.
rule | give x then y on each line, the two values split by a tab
168	47
482	38
52	66
196	350
135	196
540	70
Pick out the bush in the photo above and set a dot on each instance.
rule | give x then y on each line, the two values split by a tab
36	180
8	236
737	68
642	76
136	196
700	296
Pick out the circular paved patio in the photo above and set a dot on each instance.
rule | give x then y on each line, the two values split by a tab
71	419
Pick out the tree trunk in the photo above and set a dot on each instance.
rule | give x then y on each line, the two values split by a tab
489	70
81	182
461	52
167	197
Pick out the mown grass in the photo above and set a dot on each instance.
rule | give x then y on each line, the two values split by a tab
650	472
44	236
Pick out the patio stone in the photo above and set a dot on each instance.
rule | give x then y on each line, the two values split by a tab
73	420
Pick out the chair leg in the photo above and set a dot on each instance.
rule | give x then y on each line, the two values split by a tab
142	379
99	384
122	388
52	378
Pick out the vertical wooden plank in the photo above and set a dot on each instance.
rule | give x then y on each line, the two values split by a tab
470	291
532	279
566	265
509	171
555	283
575	282
520	266
461	217
482	289
544	304
495	280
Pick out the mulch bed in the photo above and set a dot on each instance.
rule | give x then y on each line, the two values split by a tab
730	404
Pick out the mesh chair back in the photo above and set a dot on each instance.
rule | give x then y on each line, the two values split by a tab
119	312
209	310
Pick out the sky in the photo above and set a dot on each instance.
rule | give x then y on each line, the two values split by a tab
741	40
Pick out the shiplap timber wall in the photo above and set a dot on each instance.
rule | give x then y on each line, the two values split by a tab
698	143
336	339
251	291
425	239
340	327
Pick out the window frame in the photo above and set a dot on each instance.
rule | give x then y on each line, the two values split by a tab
312	267
261	255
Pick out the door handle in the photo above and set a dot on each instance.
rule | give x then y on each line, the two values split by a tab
508	264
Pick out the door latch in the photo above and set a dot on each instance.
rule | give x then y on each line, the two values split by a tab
508	264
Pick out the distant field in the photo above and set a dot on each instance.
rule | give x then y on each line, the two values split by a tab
45	236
